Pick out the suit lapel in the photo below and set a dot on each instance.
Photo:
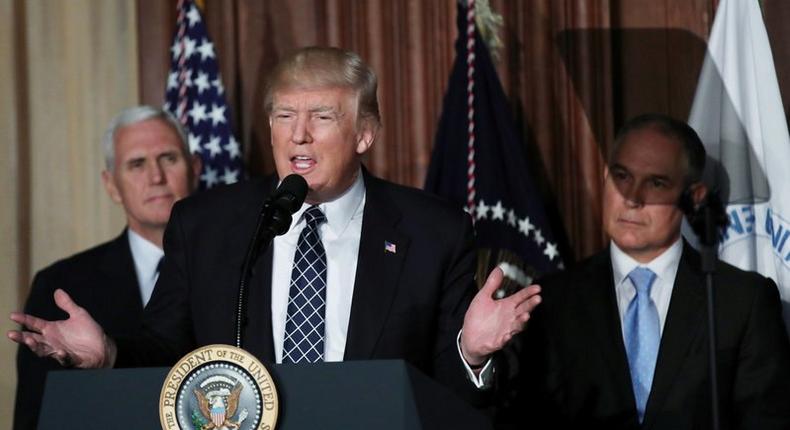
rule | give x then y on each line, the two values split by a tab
378	270
118	267
683	324
604	319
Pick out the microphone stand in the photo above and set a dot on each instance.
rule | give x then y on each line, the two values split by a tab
272	221
707	228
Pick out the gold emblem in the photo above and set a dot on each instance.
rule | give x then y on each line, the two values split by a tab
218	387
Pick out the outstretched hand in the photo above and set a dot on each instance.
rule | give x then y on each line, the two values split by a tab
77	341
489	324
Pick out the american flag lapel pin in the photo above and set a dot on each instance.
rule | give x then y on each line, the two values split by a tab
390	247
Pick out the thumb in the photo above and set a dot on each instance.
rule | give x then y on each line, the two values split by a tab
493	282
64	301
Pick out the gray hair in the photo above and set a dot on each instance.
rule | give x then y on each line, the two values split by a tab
135	115
315	67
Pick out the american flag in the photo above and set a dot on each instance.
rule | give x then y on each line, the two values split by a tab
479	163
196	97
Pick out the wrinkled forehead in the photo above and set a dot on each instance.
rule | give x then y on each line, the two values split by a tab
311	98
648	152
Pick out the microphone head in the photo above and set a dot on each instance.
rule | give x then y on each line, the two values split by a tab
292	191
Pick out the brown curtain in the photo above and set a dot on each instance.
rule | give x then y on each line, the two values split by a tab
573	70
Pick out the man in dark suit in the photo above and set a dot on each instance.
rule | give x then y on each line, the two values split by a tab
148	168
620	341
393	266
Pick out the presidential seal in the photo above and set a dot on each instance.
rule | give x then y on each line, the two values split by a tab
218	387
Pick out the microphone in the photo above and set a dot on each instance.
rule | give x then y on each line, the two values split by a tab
274	219
286	200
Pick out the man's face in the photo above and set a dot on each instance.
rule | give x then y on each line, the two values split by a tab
315	134
641	190
150	173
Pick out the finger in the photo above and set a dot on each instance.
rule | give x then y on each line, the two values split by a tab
493	282
529	305
524	294
64	301
29	321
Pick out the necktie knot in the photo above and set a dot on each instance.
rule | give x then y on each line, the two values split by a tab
314	217
642	278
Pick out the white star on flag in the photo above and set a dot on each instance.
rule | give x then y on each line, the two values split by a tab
551	251
233	148
209	176
230	176
498	212
213	146
194	143
193	16
172	80
524	226
217	114
482	210
202	83
539	237
218	85
195	91
206	50
511	218
198	113
189	47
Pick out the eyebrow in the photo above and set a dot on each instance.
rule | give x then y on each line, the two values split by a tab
320	108
620	167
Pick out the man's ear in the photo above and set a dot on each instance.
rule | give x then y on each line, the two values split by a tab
366	135
697	192
196	164
109	185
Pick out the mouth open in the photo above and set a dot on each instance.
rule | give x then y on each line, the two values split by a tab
302	164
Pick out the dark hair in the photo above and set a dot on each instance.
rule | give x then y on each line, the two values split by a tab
693	149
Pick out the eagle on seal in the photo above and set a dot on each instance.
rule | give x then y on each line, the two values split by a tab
215	411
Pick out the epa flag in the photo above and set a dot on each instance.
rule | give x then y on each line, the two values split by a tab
738	114
196	97
479	163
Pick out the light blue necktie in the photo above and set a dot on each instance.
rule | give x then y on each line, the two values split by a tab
304	323
642	336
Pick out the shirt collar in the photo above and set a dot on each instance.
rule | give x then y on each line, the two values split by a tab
339	211
664	266
145	254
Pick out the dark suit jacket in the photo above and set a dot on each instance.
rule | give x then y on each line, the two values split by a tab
103	281
407	304
572	370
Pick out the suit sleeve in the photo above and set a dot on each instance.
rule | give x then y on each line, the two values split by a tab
32	370
166	332
457	293
762	381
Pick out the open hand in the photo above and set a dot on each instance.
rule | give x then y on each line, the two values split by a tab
489	324
77	341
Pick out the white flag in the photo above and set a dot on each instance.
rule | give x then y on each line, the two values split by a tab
738	114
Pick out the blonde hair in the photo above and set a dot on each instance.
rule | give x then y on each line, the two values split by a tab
317	67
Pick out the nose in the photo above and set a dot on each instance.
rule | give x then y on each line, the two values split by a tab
156	173
634	196
300	133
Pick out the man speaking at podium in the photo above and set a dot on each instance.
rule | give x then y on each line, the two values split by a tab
367	270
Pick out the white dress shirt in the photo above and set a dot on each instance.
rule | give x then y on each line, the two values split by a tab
665	266
340	236
146	257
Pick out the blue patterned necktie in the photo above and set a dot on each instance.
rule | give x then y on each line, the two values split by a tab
304	324
642	336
